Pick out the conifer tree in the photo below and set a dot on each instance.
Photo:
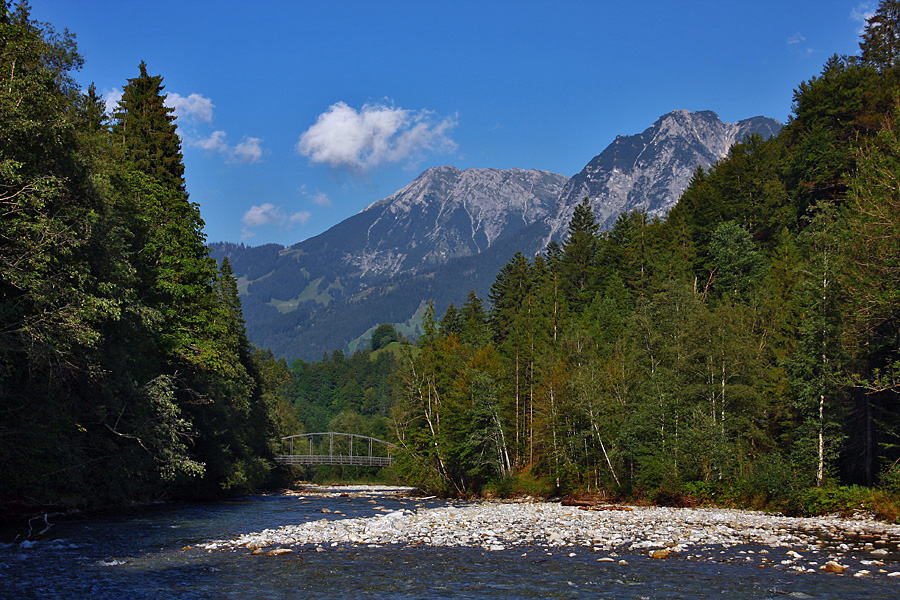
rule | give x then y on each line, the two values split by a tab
578	262
145	127
880	44
475	329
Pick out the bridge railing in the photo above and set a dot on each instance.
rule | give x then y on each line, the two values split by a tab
338	459
345	440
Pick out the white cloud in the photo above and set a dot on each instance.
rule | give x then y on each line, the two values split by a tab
321	199
300	217
194	113
269	214
261	215
798	43
214	143
194	106
376	134
111	99
862	13
250	150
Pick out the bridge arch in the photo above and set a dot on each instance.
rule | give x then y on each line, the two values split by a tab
295	444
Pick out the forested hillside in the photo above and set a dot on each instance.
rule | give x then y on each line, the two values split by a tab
744	347
125	371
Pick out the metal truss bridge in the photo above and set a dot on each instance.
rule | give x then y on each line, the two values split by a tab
352	450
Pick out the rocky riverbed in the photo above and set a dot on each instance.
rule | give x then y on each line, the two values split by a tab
860	547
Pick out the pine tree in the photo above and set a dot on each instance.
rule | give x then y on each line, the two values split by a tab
880	44
578	262
145	127
737	262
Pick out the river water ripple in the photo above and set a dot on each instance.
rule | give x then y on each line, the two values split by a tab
158	553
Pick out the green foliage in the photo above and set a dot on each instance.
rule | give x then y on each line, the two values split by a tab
742	349
843	500
890	479
125	372
578	262
880	44
738	264
165	437
383	335
145	127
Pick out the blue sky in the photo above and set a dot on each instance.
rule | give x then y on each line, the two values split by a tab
296	115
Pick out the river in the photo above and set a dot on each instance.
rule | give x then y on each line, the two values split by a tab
158	553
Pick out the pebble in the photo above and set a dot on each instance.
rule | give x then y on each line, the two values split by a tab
812	544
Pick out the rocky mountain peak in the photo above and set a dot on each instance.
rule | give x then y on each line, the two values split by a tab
447	212
650	170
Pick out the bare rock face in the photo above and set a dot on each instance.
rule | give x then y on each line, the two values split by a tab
650	170
446	213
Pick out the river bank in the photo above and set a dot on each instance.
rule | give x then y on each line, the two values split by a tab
164	552
860	547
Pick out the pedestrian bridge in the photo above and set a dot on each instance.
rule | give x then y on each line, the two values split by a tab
332	448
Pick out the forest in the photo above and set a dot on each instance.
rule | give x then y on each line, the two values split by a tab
125	371
743	350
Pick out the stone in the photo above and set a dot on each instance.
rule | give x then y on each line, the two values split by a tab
658	532
833	567
279	551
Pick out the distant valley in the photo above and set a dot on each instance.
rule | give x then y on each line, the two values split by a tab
450	231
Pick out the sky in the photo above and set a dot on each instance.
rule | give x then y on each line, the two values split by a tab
295	115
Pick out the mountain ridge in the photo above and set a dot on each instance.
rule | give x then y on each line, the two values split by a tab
450	230
649	170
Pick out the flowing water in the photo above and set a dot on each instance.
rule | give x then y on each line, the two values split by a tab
157	553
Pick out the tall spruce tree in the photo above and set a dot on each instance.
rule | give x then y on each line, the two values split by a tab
880	44
145	127
578	263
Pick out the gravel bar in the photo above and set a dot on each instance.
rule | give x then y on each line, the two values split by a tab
858	546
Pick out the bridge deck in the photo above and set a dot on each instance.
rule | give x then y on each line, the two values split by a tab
337	459
350	459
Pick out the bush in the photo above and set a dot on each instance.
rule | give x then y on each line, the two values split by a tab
890	479
771	483
841	500
701	492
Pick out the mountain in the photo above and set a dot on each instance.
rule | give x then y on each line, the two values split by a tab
444	215
650	170
450	231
